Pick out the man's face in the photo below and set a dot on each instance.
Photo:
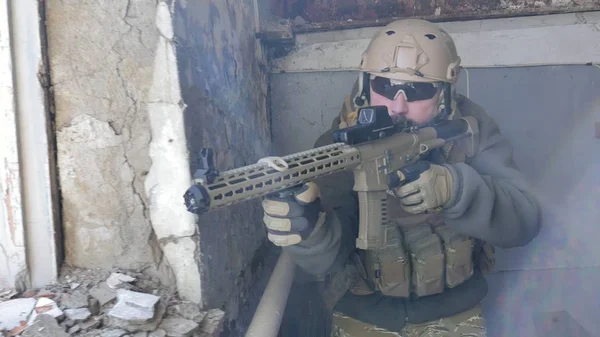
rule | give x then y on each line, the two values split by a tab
420	107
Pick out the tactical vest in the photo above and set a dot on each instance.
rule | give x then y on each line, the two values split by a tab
420	255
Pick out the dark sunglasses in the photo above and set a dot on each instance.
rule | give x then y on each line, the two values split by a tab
414	91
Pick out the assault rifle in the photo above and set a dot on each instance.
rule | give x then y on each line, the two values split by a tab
372	149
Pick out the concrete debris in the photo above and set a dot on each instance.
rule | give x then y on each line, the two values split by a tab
45	293
114	333
136	299
115	280
44	326
213	323
68	322
45	306
132	326
75	328
178	327
91	323
134	307
103	293
13	312
187	310
28	294
17	330
158	333
91	333
87	277
7	294
78	315
75	300
94	306
121	304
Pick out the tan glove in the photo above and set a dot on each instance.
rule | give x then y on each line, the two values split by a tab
429	191
292	215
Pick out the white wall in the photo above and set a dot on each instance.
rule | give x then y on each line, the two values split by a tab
30	215
12	236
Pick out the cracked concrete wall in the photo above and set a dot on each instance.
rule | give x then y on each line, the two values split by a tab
102	60
139	88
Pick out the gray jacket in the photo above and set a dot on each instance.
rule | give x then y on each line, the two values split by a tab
493	202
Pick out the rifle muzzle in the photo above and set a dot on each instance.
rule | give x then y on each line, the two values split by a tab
196	199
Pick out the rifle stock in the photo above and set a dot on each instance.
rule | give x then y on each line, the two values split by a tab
371	160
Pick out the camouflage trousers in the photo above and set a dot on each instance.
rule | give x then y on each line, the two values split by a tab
469	323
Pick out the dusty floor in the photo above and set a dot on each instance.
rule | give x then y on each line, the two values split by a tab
95	303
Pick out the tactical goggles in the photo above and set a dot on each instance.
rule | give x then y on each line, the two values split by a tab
413	91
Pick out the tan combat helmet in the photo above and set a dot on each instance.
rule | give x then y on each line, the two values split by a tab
412	50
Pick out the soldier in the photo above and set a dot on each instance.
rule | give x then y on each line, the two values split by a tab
426	279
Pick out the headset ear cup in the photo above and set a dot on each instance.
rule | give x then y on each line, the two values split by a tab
447	92
359	100
362	97
366	87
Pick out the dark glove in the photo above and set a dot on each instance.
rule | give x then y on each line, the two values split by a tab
292	215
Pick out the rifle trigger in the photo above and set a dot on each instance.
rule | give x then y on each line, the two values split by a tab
276	163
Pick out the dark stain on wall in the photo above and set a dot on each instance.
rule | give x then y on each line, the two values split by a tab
224	92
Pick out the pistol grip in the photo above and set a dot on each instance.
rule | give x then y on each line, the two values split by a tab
372	214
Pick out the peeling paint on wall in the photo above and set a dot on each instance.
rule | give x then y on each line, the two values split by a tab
169	175
12	201
12	246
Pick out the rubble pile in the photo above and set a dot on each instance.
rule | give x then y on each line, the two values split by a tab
94	303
